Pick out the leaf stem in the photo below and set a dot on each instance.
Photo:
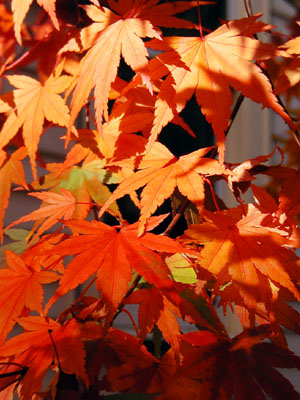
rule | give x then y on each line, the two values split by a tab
128	293
237	105
132	320
84	291
176	218
55	350
199	20
89	114
213	194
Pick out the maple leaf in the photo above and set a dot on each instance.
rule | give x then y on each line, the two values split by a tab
8	44
45	53
99	67
289	72
35	101
159	14
289	195
241	368
139	372
181	269
84	182
211	64
156	309
111	253
35	349
161	172
18	246
11	171
20	9
284	315
130	355
123	33
238	249
240	178
289	77
10	373
60	206
21	286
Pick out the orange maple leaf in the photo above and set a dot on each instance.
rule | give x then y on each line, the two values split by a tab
112	253
11	171
35	349
211	64
289	195
10	374
8	43
86	182
239	179
240	251
20	9
156	309
60	206
35	102
114	35
289	78
21	286
161	172
159	14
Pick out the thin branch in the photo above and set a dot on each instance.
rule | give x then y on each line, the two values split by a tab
176	218
87	112
211	154
84	291
213	194
55	350
248	8
237	105
294	131
199	20
131	289
132	320
22	371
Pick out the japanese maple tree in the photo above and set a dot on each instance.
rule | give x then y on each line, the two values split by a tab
127	223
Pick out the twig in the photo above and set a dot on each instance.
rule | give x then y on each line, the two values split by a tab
132	320
199	20
55	350
128	293
237	105
294	131
213	194
178	214
84	291
248	8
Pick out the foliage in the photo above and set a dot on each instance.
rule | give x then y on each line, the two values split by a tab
131	68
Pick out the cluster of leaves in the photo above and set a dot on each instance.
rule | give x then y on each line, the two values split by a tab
242	257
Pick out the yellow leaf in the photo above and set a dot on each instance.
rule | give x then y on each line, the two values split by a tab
35	102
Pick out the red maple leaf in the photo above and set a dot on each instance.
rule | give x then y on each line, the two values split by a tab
21	286
112	253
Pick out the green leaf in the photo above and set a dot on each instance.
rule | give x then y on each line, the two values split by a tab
18	245
181	269
85	183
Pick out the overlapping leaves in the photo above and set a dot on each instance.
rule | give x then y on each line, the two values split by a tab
245	256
